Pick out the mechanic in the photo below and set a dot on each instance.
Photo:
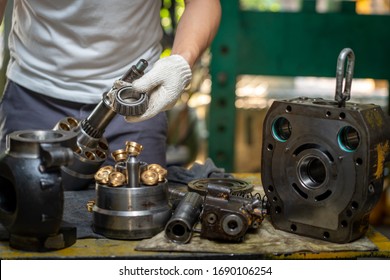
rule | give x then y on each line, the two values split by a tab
65	54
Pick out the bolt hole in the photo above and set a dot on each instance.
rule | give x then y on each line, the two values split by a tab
326	235
354	205
359	161
328	114
342	116
293	228
344	223
288	109
270	147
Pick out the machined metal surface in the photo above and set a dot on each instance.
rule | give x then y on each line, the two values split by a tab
128	205
130	213
31	191
180	226
322	166
92	147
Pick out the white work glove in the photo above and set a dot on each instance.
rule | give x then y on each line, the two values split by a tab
164	84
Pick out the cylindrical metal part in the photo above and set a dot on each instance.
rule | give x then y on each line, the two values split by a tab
130	213
135	72
180	227
133	172
79	174
99	119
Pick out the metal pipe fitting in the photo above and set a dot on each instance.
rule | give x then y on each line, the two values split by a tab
31	192
180	227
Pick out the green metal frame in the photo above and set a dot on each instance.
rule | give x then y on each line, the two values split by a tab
302	43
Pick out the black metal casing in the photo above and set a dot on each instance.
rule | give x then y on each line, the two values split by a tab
322	166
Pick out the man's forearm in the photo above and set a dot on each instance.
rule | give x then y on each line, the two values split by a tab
196	29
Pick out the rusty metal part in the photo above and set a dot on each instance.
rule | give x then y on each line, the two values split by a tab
31	193
235	185
149	177
228	217
323	166
180	227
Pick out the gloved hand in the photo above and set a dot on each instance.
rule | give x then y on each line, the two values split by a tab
164	84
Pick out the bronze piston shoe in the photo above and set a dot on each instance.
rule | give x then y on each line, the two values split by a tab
119	155
162	173
149	177
133	148
90	205
102	175
117	179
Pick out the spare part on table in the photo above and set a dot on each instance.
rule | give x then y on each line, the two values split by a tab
223	213
323	162
131	197
31	193
92	148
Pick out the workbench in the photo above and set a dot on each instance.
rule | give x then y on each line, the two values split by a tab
102	248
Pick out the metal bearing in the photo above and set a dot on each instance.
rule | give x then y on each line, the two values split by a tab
128	102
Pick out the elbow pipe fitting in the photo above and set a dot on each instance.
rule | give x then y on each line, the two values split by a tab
31	192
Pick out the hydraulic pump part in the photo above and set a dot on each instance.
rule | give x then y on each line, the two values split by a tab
180	227
127	207
130	213
31	192
235	185
228	217
322	165
128	102
92	147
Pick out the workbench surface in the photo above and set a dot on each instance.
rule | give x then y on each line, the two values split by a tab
102	248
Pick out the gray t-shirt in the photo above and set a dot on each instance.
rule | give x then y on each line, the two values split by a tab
74	50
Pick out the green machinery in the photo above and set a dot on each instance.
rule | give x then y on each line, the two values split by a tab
303	43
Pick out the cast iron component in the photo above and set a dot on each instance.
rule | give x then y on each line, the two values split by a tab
322	164
125	207
92	147
228	217
180	227
235	185
31	192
